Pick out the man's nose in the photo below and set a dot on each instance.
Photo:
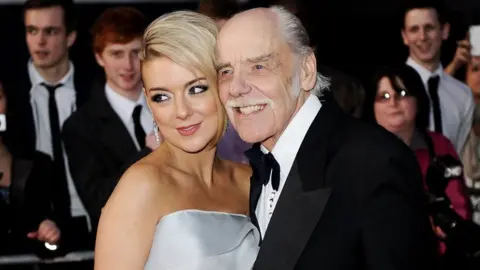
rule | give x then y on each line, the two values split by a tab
42	39
423	34
239	85
128	62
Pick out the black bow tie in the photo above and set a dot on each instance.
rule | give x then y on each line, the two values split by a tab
262	164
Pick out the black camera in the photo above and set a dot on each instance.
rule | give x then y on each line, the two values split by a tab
462	236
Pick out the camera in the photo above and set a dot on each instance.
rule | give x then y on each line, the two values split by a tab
462	236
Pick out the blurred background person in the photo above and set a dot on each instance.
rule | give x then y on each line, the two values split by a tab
29	219
45	92
116	124
425	27
397	101
466	67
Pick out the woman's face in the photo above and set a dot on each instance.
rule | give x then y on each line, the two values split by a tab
394	111
182	104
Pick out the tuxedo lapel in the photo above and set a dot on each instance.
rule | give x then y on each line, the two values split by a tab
113	134
255	184
303	198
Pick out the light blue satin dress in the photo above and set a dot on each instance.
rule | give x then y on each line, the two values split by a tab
203	240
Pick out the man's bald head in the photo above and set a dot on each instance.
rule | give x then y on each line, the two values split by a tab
251	20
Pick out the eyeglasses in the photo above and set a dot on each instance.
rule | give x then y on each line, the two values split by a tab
386	96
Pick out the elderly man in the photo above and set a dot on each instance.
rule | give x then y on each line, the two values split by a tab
327	192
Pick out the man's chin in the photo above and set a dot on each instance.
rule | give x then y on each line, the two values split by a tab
43	64
251	135
427	57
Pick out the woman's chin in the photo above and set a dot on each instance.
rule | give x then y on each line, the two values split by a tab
397	127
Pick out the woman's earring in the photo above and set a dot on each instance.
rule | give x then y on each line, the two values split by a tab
155	131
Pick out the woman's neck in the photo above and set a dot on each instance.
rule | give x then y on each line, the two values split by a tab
406	135
201	164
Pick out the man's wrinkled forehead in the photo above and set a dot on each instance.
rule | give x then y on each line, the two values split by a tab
246	38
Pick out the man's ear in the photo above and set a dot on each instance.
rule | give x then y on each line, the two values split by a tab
71	38
445	31
404	37
308	74
99	59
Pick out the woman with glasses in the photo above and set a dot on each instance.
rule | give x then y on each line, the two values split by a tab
397	100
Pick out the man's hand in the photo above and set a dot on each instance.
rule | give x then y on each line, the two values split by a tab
151	141
47	232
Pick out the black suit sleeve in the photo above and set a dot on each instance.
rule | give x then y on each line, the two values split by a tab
396	230
95	178
40	195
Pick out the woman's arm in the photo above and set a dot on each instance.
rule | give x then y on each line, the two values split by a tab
128	221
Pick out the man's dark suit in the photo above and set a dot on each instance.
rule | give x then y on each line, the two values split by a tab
98	145
21	125
353	200
20	110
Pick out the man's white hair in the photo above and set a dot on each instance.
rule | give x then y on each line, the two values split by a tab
297	39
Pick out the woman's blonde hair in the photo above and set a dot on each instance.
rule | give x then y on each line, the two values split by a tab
188	39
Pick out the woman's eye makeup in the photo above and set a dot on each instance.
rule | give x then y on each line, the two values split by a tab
193	90
197	89
159	98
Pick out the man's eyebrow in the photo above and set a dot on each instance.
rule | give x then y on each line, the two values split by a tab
262	58
257	59
221	66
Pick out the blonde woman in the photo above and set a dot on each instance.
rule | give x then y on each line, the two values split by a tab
181	207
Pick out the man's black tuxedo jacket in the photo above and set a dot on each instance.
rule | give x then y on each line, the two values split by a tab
98	145
353	200
20	134
21	125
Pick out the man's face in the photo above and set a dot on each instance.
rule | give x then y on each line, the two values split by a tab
46	36
122	65
423	34
256	73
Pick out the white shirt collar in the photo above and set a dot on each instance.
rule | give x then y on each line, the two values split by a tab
287	146
121	105
424	73
36	78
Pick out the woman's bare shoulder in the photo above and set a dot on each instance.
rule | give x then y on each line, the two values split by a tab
144	182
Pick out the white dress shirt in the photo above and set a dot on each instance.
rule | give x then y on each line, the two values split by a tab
65	97
456	104
124	108
285	151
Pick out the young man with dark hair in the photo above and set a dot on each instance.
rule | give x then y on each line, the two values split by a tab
424	29
47	90
115	125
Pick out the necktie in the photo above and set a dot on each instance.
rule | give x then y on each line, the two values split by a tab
139	132
433	92
61	188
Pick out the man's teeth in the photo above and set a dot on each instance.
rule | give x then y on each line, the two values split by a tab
250	109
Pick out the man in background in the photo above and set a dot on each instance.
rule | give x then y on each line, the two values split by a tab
116	124
46	91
